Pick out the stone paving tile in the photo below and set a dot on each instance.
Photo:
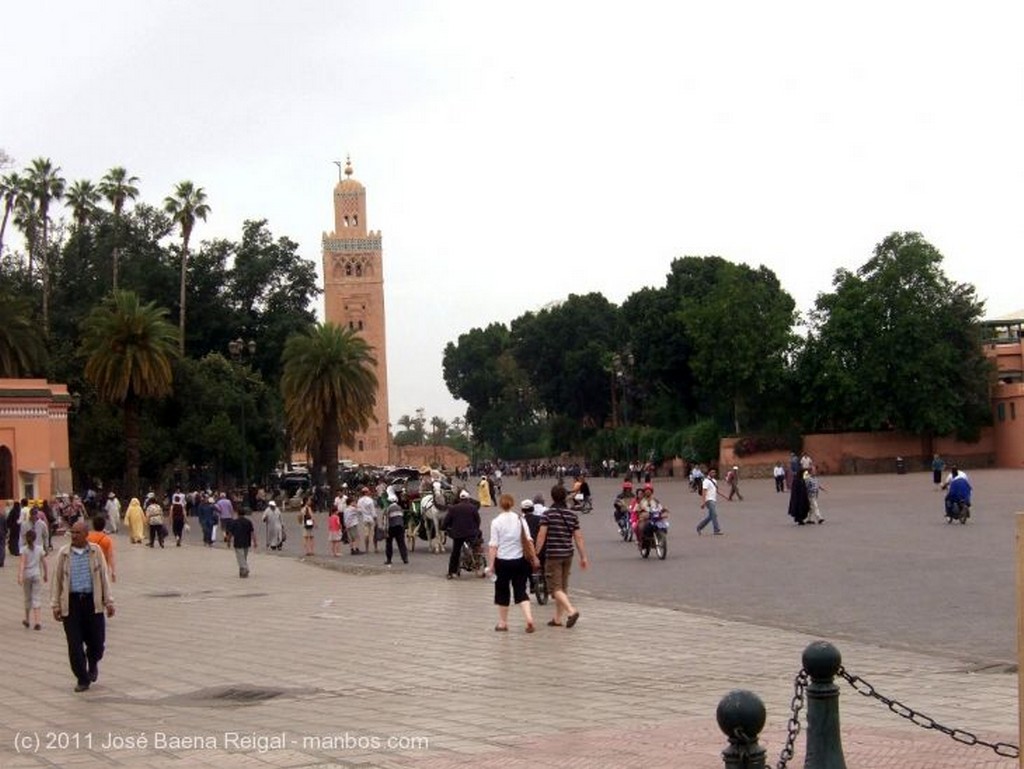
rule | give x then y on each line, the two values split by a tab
381	656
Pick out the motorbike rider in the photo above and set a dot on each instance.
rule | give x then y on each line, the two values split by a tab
580	486
958	495
645	504
622	502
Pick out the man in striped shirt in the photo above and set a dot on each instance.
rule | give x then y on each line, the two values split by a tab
559	530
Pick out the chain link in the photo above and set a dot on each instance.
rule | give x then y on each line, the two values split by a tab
793	727
925	722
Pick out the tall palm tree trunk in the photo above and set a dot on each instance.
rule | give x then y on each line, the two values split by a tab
3	224
181	298
131	447
329	454
45	268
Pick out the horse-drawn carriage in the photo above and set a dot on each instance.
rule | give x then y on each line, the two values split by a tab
423	515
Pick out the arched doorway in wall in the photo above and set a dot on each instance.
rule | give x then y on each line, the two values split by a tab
6	473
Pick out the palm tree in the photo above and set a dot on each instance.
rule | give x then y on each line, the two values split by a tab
22	352
118	188
438	430
26	218
81	198
45	186
12	187
330	388
186	205
129	348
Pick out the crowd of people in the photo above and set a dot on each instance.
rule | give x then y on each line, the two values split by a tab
521	544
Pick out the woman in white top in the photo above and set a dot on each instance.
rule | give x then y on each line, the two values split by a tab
507	562
32	573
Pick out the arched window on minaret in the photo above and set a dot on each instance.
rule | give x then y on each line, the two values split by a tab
360	325
359	270
355	220
360	445
348	269
346	220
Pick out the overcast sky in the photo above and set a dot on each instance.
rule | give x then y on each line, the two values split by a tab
514	153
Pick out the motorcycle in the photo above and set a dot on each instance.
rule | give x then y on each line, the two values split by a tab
621	515
581	504
958	511
654	535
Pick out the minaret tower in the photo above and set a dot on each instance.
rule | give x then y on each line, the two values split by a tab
354	297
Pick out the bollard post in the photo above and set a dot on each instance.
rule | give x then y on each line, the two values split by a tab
741	718
1020	629
822	661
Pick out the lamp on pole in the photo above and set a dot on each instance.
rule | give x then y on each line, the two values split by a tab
238	347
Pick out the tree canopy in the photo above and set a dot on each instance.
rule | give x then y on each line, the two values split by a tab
895	345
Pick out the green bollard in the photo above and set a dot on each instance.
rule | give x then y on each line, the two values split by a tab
741	718
822	661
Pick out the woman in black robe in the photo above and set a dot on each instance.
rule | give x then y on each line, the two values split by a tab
14	529
799	504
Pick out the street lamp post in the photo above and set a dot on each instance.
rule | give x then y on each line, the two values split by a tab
237	347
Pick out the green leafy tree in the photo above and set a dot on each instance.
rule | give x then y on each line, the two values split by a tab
22	351
329	388
211	397
118	187
187	204
656	382
129	349
270	291
478	370
562	351
896	345
740	322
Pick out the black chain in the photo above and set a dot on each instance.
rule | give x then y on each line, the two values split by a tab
793	727
925	722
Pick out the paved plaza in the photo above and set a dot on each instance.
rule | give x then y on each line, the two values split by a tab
345	663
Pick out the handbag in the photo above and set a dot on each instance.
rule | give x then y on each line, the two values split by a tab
529	551
379	534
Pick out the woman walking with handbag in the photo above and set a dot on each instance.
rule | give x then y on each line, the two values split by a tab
511	559
308	525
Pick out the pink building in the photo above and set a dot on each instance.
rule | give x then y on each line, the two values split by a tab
1003	342
34	457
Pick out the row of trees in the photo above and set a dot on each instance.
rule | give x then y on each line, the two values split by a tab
27	200
894	345
413	432
90	302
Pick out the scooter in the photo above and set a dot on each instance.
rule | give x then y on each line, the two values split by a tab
654	534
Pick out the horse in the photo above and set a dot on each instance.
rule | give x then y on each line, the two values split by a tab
430	524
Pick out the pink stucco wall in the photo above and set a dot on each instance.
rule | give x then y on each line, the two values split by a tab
851	453
34	428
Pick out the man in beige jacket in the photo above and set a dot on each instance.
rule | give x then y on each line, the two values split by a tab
80	595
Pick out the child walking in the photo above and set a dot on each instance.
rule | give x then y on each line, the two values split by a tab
32	573
334	532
